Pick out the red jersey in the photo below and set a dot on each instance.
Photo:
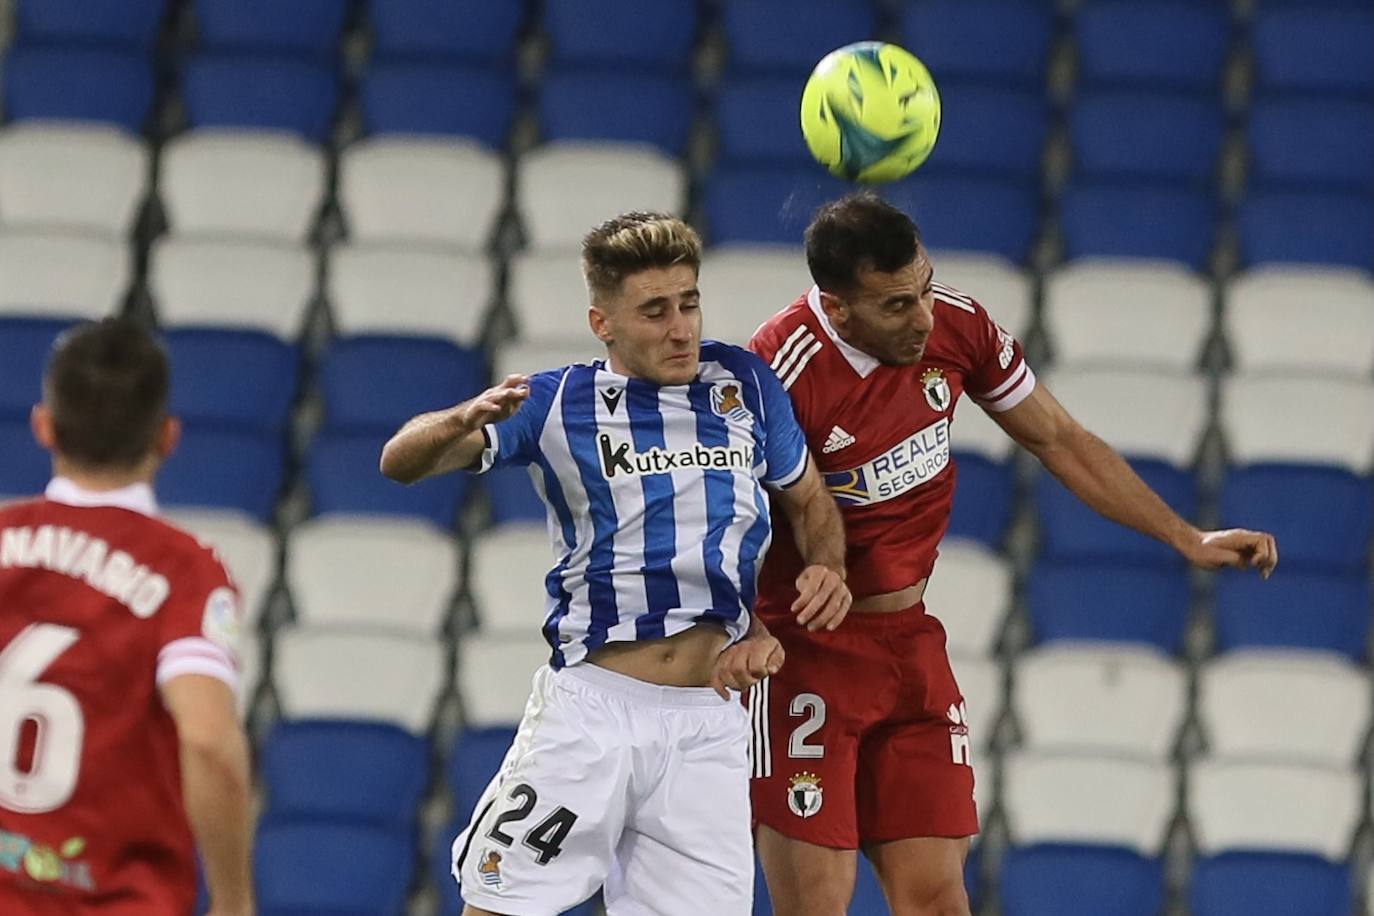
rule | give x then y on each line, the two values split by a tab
881	435
100	603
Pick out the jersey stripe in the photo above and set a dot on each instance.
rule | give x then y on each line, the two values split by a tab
787	345
579	397
954	297
720	499
660	527
806	357
806	340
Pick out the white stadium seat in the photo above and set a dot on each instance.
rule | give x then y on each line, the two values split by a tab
975	431
1299	419
506	578
62	275
421	189
1300	320
90	177
1071	798
998	285
246	547
250	671
548	297
494	674
1284	707
379	572
1299	809
236	283
1141	414
563	189
537	357
980	681
334	673
970	592
409	290
239	182
1110	313
1099	698
742	286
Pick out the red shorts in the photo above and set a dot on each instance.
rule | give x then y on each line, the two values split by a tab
862	736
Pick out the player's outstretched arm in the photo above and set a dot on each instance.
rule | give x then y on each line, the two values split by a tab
216	784
447	440
822	597
1096	474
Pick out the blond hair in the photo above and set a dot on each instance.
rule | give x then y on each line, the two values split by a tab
632	242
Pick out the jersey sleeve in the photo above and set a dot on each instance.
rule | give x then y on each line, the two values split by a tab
201	622
515	440
784	443
999	378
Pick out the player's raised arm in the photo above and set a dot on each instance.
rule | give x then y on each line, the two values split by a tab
216	785
448	440
822	597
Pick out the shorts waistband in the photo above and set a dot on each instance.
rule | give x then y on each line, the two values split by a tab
601	680
905	617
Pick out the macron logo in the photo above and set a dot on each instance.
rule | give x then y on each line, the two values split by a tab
837	440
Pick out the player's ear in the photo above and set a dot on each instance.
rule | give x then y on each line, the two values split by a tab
168	438
600	324
836	309
42	425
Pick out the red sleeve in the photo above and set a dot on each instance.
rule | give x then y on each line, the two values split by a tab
999	377
200	621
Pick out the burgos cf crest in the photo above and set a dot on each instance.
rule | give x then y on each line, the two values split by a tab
805	795
727	402
937	389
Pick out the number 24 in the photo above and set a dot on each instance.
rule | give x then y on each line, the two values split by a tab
545	838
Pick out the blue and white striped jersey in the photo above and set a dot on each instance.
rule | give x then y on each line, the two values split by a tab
655	496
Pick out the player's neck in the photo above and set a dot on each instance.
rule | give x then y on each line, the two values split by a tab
103	480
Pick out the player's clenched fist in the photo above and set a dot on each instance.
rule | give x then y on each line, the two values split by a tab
822	598
1237	548
497	403
747	662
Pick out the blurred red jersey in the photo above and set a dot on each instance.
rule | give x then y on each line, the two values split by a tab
881	435
100	604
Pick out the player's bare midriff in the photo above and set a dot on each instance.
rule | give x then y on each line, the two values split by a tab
685	659
890	602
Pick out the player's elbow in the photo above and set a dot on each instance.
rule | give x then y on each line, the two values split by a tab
394	467
221	759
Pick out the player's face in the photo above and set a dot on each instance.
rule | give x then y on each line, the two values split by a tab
652	327
889	316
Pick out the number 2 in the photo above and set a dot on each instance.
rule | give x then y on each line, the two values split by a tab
51	781
545	838
797	748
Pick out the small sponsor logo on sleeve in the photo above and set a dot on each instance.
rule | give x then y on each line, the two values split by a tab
221	623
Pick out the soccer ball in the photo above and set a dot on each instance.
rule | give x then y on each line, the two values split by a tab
870	112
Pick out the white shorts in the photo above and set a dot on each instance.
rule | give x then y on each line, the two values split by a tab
615	781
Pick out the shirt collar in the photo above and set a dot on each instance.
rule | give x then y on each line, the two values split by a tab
137	497
860	361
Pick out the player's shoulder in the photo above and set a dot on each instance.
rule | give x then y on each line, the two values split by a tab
731	357
185	552
957	306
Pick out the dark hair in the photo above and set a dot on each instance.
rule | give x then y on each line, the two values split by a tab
106	385
855	230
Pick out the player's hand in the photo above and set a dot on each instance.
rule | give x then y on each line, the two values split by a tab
1237	548
497	403
822	598
747	662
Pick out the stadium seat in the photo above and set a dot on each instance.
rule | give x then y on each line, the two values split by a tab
539	357
24	467
988	132
983	500
232	379
62	275
242	183
1107	601
762	205
1092	312
1340	434
997	284
24	347
1321	515
312	867
314	770
1134	220
1270	884
425	292
1116	136
340	570
980	682
244	284
976	433
511	496
374	382
358	674
1158	43
1310	228
1071	531
250	673
494	673
1168	414
651	109
507	603
475	30
1284	706
566	188
1283	131
197	475
1312	48
305	27
131	24
756	123
439	99
618	33
1298	610
341	471
433	191
970	592
1003	41
248	549
743	286
1119	699
90	177
476	756
768	37
260	92
1267	334
971	214
78	84
548	298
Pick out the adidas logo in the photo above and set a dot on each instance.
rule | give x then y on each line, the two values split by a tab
837	440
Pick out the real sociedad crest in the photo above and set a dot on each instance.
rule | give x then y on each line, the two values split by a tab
804	795
726	401
937	389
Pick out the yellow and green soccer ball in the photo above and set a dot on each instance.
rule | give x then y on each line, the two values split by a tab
870	112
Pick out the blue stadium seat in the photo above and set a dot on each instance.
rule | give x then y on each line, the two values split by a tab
1153	43
1316	227
476	756
271	93
1006	41
1321	516
315	769
512	496
73	84
378	382
1270	884
1109	601
301	26
1138	220
775	37
658	36
200	472
1117	135
593	106
240	379
1069	530
471	30
973	876
128	23
439	98
1300	610
962	213
868	899
1054	879
308	867
341	471
983	499
991	131
1315	48
1284	134
24	347
756	122
24	466
760	205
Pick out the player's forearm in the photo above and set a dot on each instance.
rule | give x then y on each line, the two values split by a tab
431	444
819	530
218	794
